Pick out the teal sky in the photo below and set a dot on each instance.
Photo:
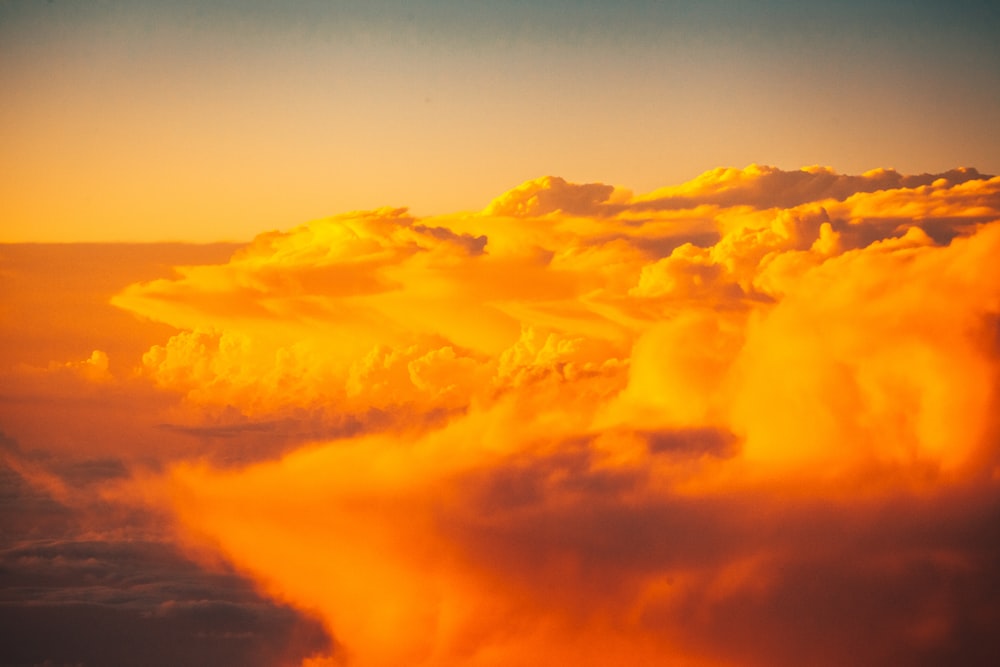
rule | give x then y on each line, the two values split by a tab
212	121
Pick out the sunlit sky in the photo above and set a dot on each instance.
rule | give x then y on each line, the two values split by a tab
150	121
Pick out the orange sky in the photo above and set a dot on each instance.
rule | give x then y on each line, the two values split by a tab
747	419
127	120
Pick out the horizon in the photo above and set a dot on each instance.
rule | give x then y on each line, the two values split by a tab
624	194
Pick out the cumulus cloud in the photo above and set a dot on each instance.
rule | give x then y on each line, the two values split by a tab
761	186
750	419
551	194
93	369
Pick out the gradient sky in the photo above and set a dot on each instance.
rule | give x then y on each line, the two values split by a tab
151	121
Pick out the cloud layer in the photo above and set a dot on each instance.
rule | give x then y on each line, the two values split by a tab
750	419
88	581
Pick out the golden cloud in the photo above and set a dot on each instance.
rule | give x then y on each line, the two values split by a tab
613	429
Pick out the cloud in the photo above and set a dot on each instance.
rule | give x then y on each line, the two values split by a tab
90	371
567	550
750	419
761	186
899	336
551	194
83	580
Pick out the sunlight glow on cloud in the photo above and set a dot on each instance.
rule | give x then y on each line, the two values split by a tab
580	418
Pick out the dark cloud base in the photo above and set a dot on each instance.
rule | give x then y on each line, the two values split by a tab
106	636
70	595
902	579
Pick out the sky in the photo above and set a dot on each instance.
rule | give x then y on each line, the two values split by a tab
467	334
212	121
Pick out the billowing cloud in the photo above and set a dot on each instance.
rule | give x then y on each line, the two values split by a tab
551	194
750	420
762	186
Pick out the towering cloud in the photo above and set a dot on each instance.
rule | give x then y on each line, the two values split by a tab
751	419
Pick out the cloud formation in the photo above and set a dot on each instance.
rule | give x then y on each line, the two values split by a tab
749	420
87	581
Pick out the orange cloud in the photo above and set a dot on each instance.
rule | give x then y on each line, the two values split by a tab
691	427
768	187
883	353
551	194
